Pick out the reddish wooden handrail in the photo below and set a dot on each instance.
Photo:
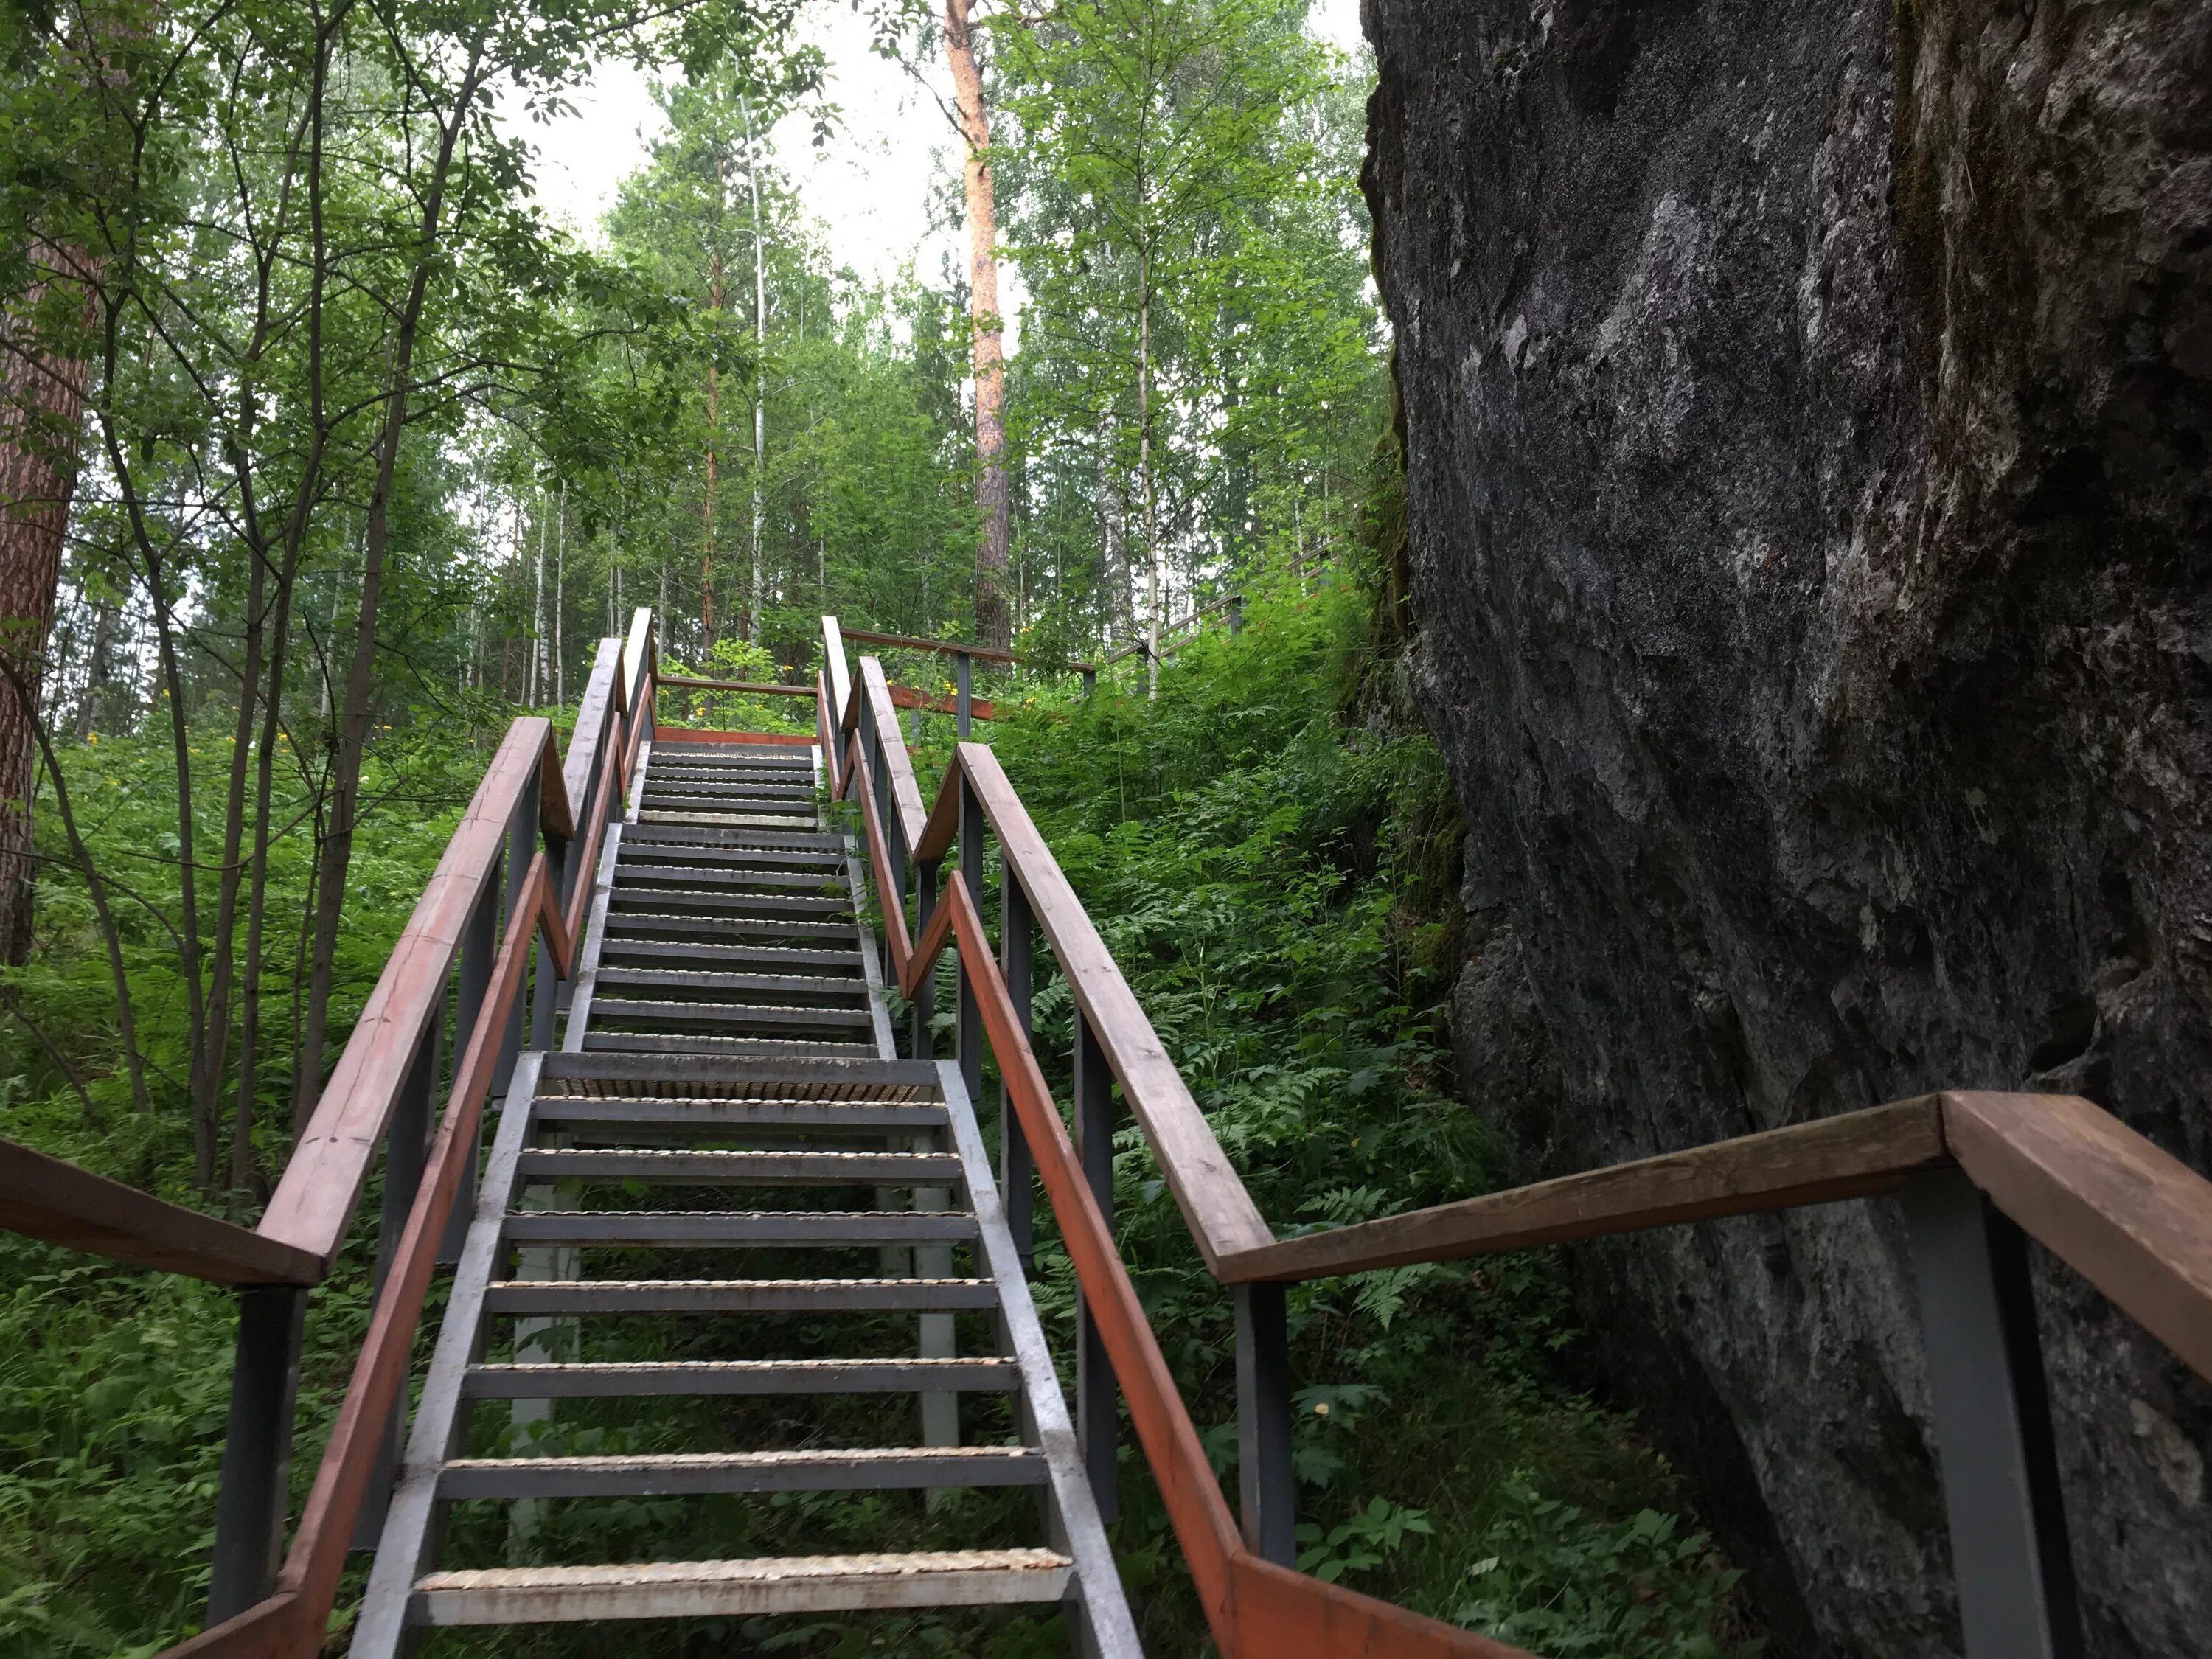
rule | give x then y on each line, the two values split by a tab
1255	1609
49	1197
316	1196
291	1621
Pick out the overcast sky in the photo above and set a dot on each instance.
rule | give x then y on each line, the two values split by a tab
869	186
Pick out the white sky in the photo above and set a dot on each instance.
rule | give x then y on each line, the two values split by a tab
869	186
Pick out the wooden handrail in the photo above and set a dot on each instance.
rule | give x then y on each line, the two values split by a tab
951	649
906	795
1219	1212
601	703
50	1198
315	1201
2131	1219
1851	1155
291	1621
1255	1609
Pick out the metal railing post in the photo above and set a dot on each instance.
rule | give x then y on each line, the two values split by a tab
1098	1425
1016	1173
1236	613
967	1029
925	991
407	1145
1090	681
1992	1415
964	701
479	945
256	1449
1264	1478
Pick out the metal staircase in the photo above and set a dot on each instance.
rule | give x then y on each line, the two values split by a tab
729	1045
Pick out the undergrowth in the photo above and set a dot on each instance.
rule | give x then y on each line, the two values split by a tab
1279	880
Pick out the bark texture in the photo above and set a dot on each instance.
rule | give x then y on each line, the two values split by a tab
41	398
1807	410
987	346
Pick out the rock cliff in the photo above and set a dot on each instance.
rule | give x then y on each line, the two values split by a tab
1806	412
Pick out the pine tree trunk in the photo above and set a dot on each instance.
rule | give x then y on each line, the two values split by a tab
714	430
41	398
994	537
760	373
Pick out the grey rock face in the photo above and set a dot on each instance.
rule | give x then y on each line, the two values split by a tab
1806	412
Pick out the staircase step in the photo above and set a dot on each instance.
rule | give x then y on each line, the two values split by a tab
764	757
645	923
692	809
661	1014
826	882
701	1377
673	1474
745	1168
818	960
861	1117
692	1589
704	901
693	782
731	838
750	1047
654	1296
682	854
682	1229
826	988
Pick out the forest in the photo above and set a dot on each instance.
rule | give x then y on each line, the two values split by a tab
326	450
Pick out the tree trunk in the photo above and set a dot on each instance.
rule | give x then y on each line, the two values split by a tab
751	630
1145	479
353	740
96	670
986	346
41	398
713	427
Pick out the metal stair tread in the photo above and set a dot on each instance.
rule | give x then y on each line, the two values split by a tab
670	1474
727	1013
789	1584
694	1227
935	1169
573	1296
604	1378
707	979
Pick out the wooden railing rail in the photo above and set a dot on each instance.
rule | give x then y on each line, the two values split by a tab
1256	1608
49	1197
1978	1173
289	1623
530	834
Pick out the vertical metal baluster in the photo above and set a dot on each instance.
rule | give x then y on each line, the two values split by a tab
1265	1478
479	945
407	1144
964	678
940	1411
1236	613
1090	681
968	1038
1018	1187
925	992
1992	1413
256	1449
1096	1419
